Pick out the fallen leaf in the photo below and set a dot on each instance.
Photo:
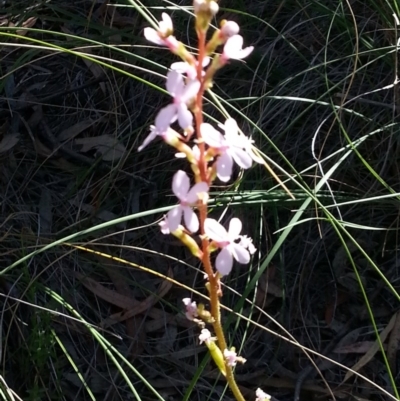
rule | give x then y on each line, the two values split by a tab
373	350
357	348
94	68
142	306
394	344
76	129
106	145
29	23
106	294
8	142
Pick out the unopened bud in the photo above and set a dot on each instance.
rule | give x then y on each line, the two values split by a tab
229	28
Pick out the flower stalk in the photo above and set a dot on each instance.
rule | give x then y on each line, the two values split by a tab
211	155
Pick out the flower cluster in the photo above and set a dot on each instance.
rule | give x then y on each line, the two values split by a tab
184	81
212	155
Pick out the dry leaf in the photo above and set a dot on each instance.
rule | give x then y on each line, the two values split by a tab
94	68
373	350
45	211
394	344
29	23
108	295
8	142
76	129
357	348
106	145
142	306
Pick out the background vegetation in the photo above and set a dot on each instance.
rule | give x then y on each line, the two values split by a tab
91	290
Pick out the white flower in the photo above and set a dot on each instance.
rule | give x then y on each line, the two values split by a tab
231	357
154	132
187	197
226	241
233	49
165	29
261	396
231	147
191	308
178	110
205	336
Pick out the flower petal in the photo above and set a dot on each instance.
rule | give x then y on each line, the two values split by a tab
224	167
191	90
196	189
211	136
165	117
175	85
239	253
241	157
185	117
224	262
174	218
191	219
231	127
233	45
149	138
180	185
233	48
166	23
245	52
235	226
215	231
152	36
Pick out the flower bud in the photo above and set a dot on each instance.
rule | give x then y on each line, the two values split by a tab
188	241
204	10
228	29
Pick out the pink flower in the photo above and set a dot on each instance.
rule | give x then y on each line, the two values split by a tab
205	336
166	134
231	147
178	110
226	241
184	67
231	357
261	396
191	308
187	197
162	36
233	49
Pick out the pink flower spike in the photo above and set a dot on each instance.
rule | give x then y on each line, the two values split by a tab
231	357
165	29
261	396
233	49
187	197
226	241
191	308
